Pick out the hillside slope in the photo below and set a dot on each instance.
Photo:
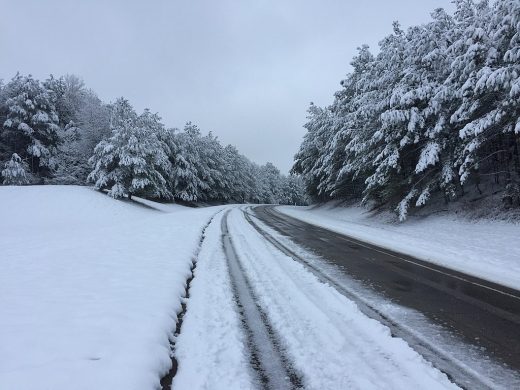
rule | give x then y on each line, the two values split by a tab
89	287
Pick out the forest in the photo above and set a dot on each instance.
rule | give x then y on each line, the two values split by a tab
434	114
58	131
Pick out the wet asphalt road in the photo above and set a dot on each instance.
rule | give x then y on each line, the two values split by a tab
479	312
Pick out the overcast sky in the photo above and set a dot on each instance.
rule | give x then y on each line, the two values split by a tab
245	70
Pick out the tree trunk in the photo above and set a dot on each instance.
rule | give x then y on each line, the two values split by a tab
516	155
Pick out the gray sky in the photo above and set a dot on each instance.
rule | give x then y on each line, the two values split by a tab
246	70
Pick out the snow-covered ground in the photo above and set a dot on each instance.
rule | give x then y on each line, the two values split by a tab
89	287
211	347
485	248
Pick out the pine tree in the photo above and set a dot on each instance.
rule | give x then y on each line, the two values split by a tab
15	171
71	160
435	111
150	179
31	125
354	115
188	181
382	148
292	191
238	172
309	161
133	160
212	166
270	184
490	104
4	150
421	134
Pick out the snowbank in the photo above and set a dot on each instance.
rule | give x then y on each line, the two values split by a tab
485	248
89	287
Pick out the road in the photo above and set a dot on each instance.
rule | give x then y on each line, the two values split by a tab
477	313
268	358
298	332
277	303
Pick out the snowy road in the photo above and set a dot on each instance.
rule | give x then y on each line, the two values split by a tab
270	363
468	327
259	319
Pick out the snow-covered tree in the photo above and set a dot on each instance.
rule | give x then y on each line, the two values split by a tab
490	98
4	150
238	173
133	160
292	191
69	136
435	112
69	92
309	161
15	171
270	183
31	125
188	181
84	122
212	168
382	149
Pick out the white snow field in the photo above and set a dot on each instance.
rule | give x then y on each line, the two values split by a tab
89	287
487	249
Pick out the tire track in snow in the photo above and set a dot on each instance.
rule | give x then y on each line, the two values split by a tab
456	371
166	380
273	369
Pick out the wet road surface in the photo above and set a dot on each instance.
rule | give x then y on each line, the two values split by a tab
481	313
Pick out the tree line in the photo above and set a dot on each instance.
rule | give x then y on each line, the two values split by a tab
59	132
434	114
